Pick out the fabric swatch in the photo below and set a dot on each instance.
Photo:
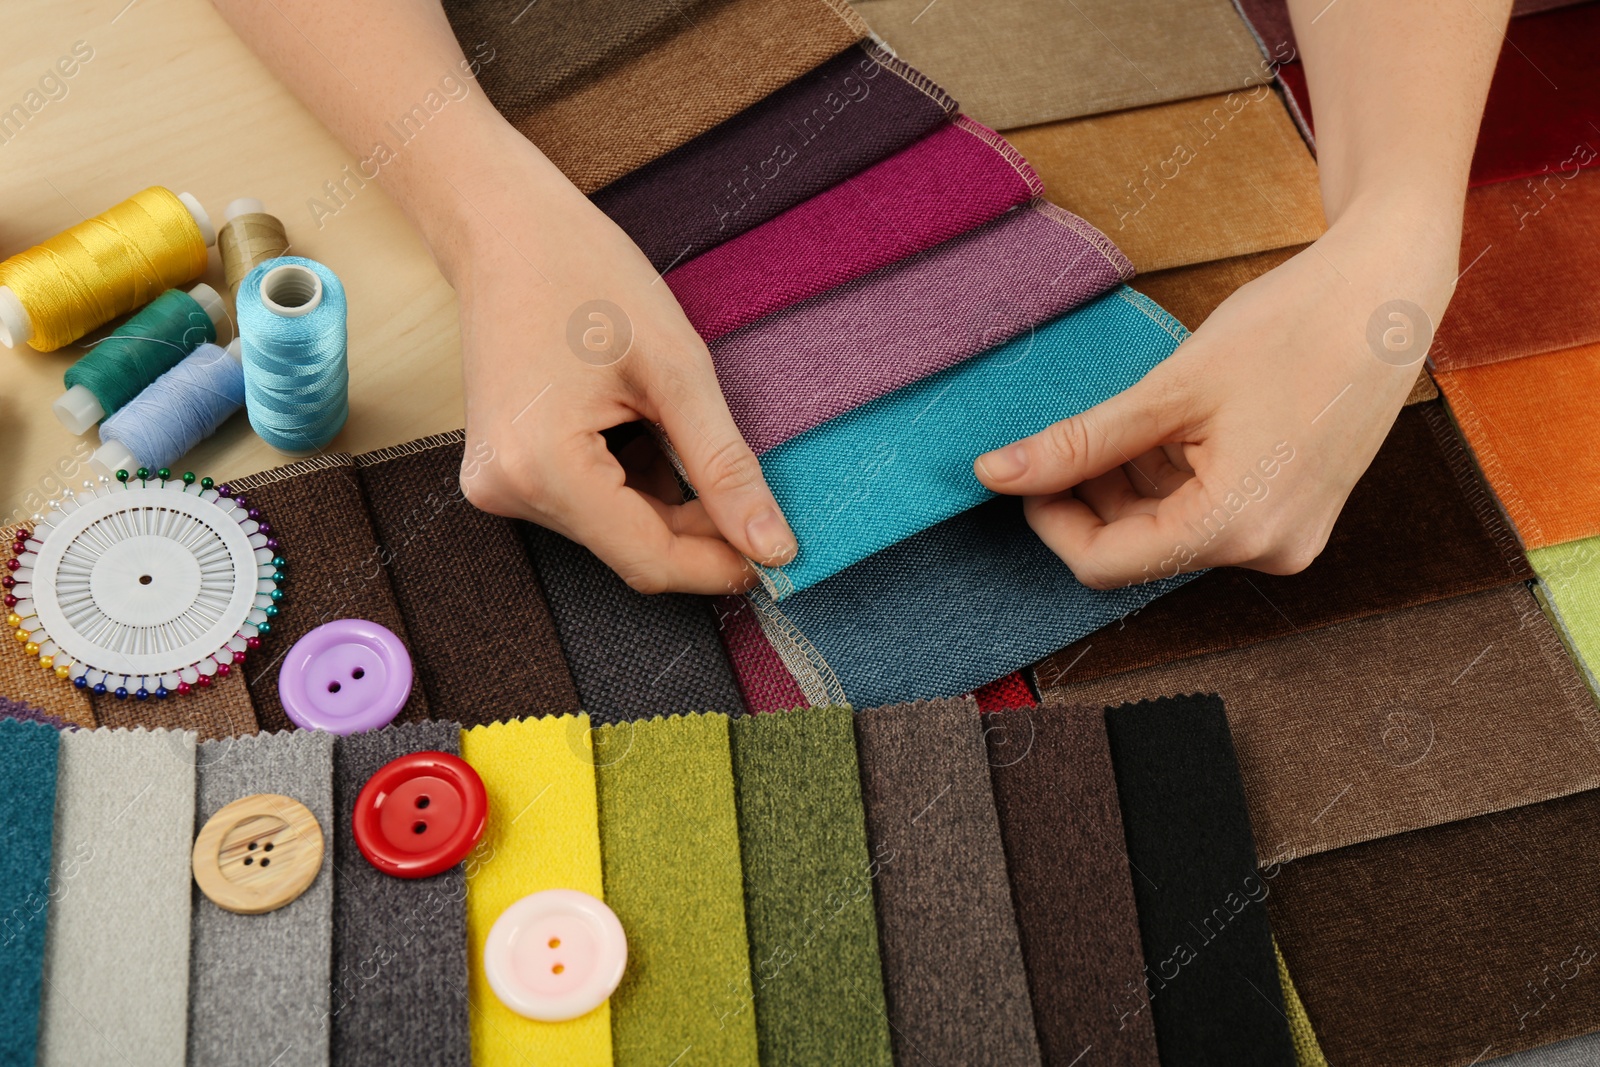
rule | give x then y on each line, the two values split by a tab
1196	884
1307	1049
1269	20
258	984
399	944
24	712
1187	182
223	710
669	838
958	177
901	463
28	753
319	516
116	964
953	966
817	980
1005	694
1029	61
21	677
482	641
1528	258
1465	941
1391	723
1057	800
1527	421
662	93
879	632
543	833
1575	1052
1452	541
764	681
861	106
631	656
816	361
1569	576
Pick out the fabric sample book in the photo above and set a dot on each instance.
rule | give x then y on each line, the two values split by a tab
958	177
1569	575
903	462
1027	61
1182	183
952	962
1391	723
28	752
861	106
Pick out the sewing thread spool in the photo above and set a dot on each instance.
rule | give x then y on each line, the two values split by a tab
179	410
138	352
87	275
248	236
296	370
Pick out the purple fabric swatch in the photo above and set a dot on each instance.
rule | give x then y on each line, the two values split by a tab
861	106
958	177
22	711
806	364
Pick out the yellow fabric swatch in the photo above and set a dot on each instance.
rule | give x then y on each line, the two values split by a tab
543	833
1307	1052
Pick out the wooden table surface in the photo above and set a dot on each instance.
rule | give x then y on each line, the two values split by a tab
171	97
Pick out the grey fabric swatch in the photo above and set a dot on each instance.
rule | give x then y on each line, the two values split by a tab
258	984
116	962
399	944
1574	1052
952	959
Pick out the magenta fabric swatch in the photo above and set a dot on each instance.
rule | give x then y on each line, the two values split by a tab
802	366
764	680
958	177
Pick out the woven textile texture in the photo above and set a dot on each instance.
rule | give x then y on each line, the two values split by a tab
861	106
482	641
21	677
399	944
542	772
807	364
258	984
223	710
817	980
1532	256
1005	694
903	462
25	712
1575	1052
116	964
879	632
956	178
28	752
1057	799
1569	575
319	516
1210	978
663	93
632	656
1391	723
764	680
952	961
1417	527
1528	421
669	838
1184	183
1307	1050
1021	62
1469	940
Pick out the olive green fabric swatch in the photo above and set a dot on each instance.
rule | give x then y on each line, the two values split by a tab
1307	1050
669	844
817	980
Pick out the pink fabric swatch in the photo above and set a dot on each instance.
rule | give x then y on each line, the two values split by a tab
958	177
802	366
764	681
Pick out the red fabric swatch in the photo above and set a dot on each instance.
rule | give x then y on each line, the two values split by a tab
764	681
1005	694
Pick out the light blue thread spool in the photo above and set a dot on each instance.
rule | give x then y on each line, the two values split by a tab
176	412
296	371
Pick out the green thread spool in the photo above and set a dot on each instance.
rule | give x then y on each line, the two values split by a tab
141	350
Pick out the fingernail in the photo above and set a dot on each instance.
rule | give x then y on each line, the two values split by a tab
1004	464
770	537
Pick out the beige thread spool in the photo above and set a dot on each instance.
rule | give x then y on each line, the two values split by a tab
248	236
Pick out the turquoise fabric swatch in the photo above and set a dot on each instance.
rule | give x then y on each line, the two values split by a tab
27	819
903	462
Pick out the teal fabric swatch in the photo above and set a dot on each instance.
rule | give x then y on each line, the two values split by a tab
27	818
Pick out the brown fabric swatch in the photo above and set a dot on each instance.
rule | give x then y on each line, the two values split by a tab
725	57
1023	62
1529	261
1182	183
319	516
223	710
1452	945
1419	526
482	640
1057	799
1392	723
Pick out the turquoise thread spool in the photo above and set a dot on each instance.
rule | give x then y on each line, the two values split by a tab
296	368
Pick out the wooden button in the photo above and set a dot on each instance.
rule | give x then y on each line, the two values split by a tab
258	853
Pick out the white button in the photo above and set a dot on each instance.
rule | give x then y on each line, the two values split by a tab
555	955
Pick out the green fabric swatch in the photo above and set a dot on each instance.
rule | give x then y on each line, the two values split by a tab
808	890
1570	575
669	843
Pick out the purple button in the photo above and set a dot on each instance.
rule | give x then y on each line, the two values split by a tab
345	677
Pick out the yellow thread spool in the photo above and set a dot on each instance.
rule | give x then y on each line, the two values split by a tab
248	236
84	277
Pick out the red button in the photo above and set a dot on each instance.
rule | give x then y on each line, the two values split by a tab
420	814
